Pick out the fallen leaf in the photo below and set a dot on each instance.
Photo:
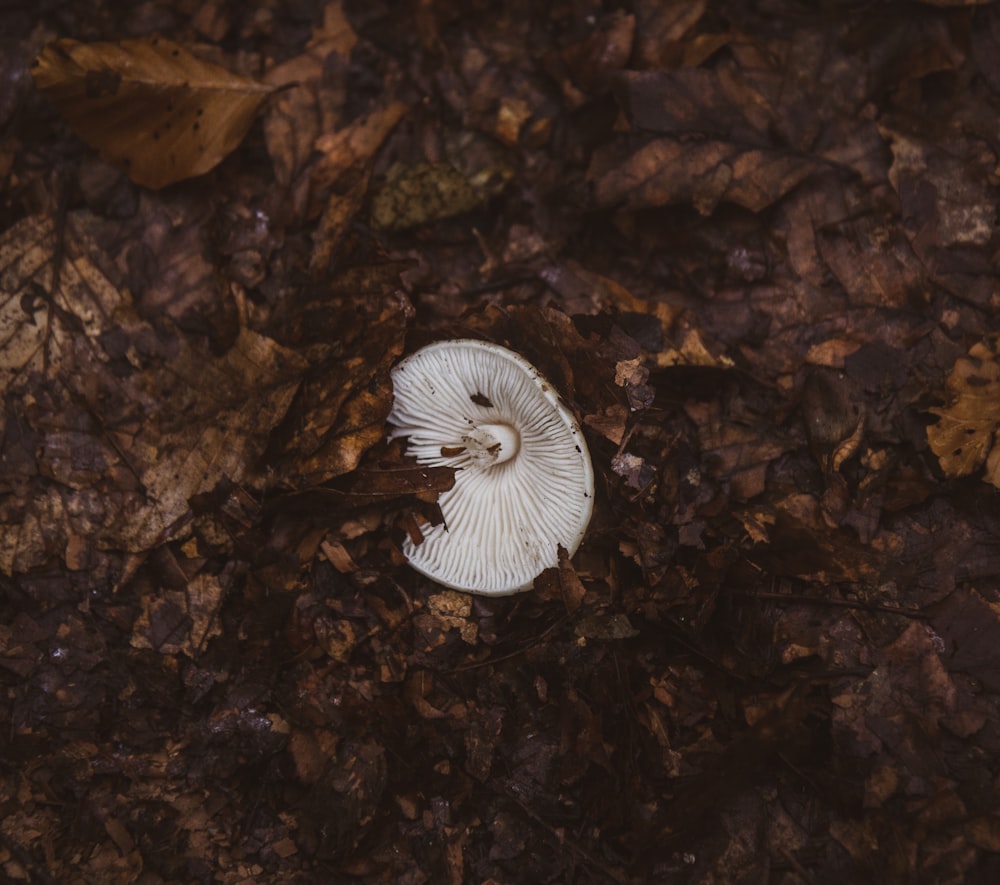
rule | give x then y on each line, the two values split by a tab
149	105
711	102
605	626
308	103
969	627
354	331
662	26
178	621
344	169
421	194
691	352
610	422
702	172
964	437
947	183
354	144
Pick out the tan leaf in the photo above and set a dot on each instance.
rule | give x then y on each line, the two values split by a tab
692	352
148	105
964	436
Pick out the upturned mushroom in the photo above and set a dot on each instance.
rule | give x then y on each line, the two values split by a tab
524	484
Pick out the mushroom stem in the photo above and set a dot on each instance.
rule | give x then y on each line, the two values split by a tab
490	444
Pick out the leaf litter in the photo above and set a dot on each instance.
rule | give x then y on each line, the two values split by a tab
754	253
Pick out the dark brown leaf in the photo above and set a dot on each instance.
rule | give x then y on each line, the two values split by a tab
700	172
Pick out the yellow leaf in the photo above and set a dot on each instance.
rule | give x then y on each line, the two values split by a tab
965	434
148	105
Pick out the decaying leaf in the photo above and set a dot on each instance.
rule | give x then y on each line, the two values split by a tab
353	333
969	627
431	192
308	103
948	182
148	105
702	172
180	620
605	626
691	351
965	436
344	169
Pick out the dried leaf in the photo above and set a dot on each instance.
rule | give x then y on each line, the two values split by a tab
604	626
947	184
572	587
345	168
610	422
692	352
696	100
148	105
833	416
355	144
421	194
964	436
969	626
661	25
341	408
702	172
308	104
181	620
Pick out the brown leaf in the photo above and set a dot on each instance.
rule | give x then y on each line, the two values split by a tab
943	189
833	417
148	105
341	408
873	266
964	436
720	103
341	411
603	626
308	103
610	422
344	168
969	626
572	587
181	620
604	50
354	144
661	25
703	172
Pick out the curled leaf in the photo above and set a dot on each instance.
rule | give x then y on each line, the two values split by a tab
149	105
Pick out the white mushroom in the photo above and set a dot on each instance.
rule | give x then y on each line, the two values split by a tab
524	483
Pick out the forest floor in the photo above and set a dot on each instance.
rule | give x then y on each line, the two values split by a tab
754	246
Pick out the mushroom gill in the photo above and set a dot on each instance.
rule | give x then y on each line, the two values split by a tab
524	483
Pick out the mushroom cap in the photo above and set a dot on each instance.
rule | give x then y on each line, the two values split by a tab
524	484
